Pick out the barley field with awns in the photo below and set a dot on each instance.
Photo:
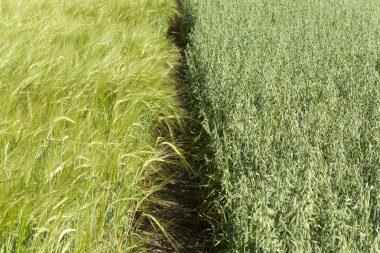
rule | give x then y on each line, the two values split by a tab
84	85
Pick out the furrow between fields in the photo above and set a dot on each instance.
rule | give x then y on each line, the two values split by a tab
177	205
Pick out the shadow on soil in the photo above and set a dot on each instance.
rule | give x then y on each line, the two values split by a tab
178	204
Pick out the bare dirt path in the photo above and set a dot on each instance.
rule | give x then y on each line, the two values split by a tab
177	206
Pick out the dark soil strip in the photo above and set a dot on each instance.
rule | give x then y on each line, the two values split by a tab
177	204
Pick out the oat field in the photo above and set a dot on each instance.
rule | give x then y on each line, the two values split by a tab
288	93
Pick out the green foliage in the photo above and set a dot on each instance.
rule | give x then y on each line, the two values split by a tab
84	85
289	94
